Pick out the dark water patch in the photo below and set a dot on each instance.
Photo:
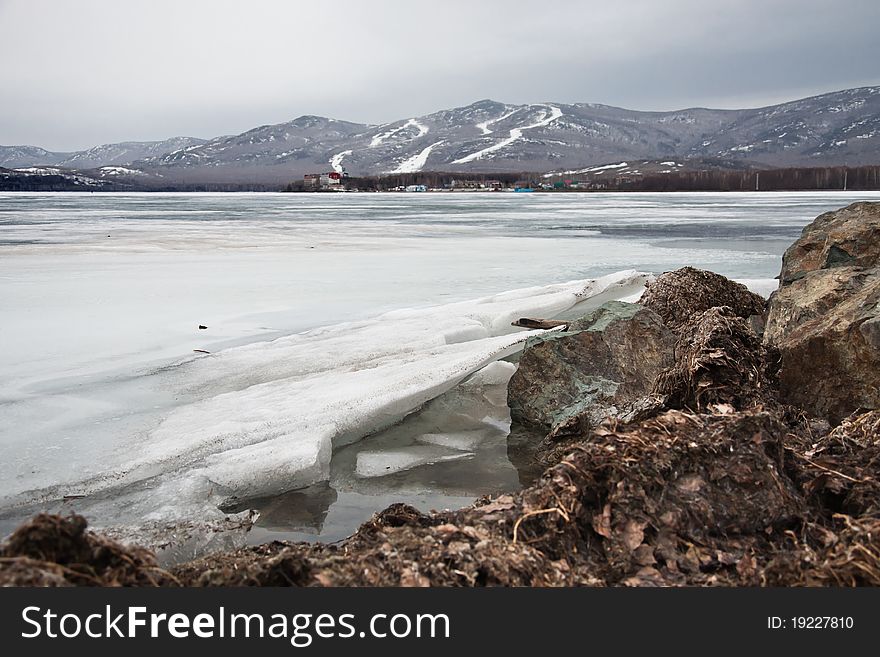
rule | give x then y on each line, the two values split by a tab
10	242
704	230
769	245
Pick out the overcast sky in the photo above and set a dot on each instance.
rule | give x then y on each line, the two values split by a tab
75	74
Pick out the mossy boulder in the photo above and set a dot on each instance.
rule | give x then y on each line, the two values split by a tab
603	365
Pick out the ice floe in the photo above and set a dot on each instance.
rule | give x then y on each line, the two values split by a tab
283	406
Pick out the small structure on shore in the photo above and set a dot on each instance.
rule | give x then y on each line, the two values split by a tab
330	180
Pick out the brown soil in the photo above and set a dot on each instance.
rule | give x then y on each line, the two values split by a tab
726	498
719	360
678	296
54	551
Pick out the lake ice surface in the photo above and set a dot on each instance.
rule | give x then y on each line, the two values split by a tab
329	317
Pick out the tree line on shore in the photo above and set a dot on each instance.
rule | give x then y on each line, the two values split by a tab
861	178
716	179
789	179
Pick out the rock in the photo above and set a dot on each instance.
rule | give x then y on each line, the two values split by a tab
849	237
678	296
825	317
817	296
718	361
605	363
830	365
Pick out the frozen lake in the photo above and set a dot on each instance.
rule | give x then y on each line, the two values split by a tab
101	298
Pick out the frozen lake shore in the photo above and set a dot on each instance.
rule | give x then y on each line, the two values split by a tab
328	319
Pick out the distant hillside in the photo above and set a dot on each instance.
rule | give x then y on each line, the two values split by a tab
107	154
835	129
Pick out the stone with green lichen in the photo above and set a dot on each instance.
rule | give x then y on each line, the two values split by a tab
601	366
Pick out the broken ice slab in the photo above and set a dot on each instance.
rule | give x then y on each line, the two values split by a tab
494	374
386	462
461	440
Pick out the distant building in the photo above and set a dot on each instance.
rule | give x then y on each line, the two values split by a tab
322	180
332	178
416	188
476	184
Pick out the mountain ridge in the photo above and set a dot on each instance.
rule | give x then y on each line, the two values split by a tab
836	128
116	153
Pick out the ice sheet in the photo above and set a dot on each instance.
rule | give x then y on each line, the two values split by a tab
388	462
762	286
279	408
98	332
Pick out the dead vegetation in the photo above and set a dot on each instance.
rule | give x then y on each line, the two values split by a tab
722	498
54	551
718	360
839	471
679	296
846	553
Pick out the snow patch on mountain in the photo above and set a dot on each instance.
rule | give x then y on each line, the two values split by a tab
417	161
412	123
336	161
70	175
120	171
422	128
604	167
483	126
515	134
40	171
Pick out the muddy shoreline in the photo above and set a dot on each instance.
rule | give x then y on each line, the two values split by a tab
701	437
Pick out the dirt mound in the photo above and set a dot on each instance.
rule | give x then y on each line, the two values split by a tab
718	360
51	550
272	564
669	495
678	296
463	548
679	499
847	554
838	472
724	498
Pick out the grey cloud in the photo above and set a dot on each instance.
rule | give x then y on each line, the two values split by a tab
96	71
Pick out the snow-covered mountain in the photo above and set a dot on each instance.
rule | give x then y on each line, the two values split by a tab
126	152
105	155
487	136
52	178
29	156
